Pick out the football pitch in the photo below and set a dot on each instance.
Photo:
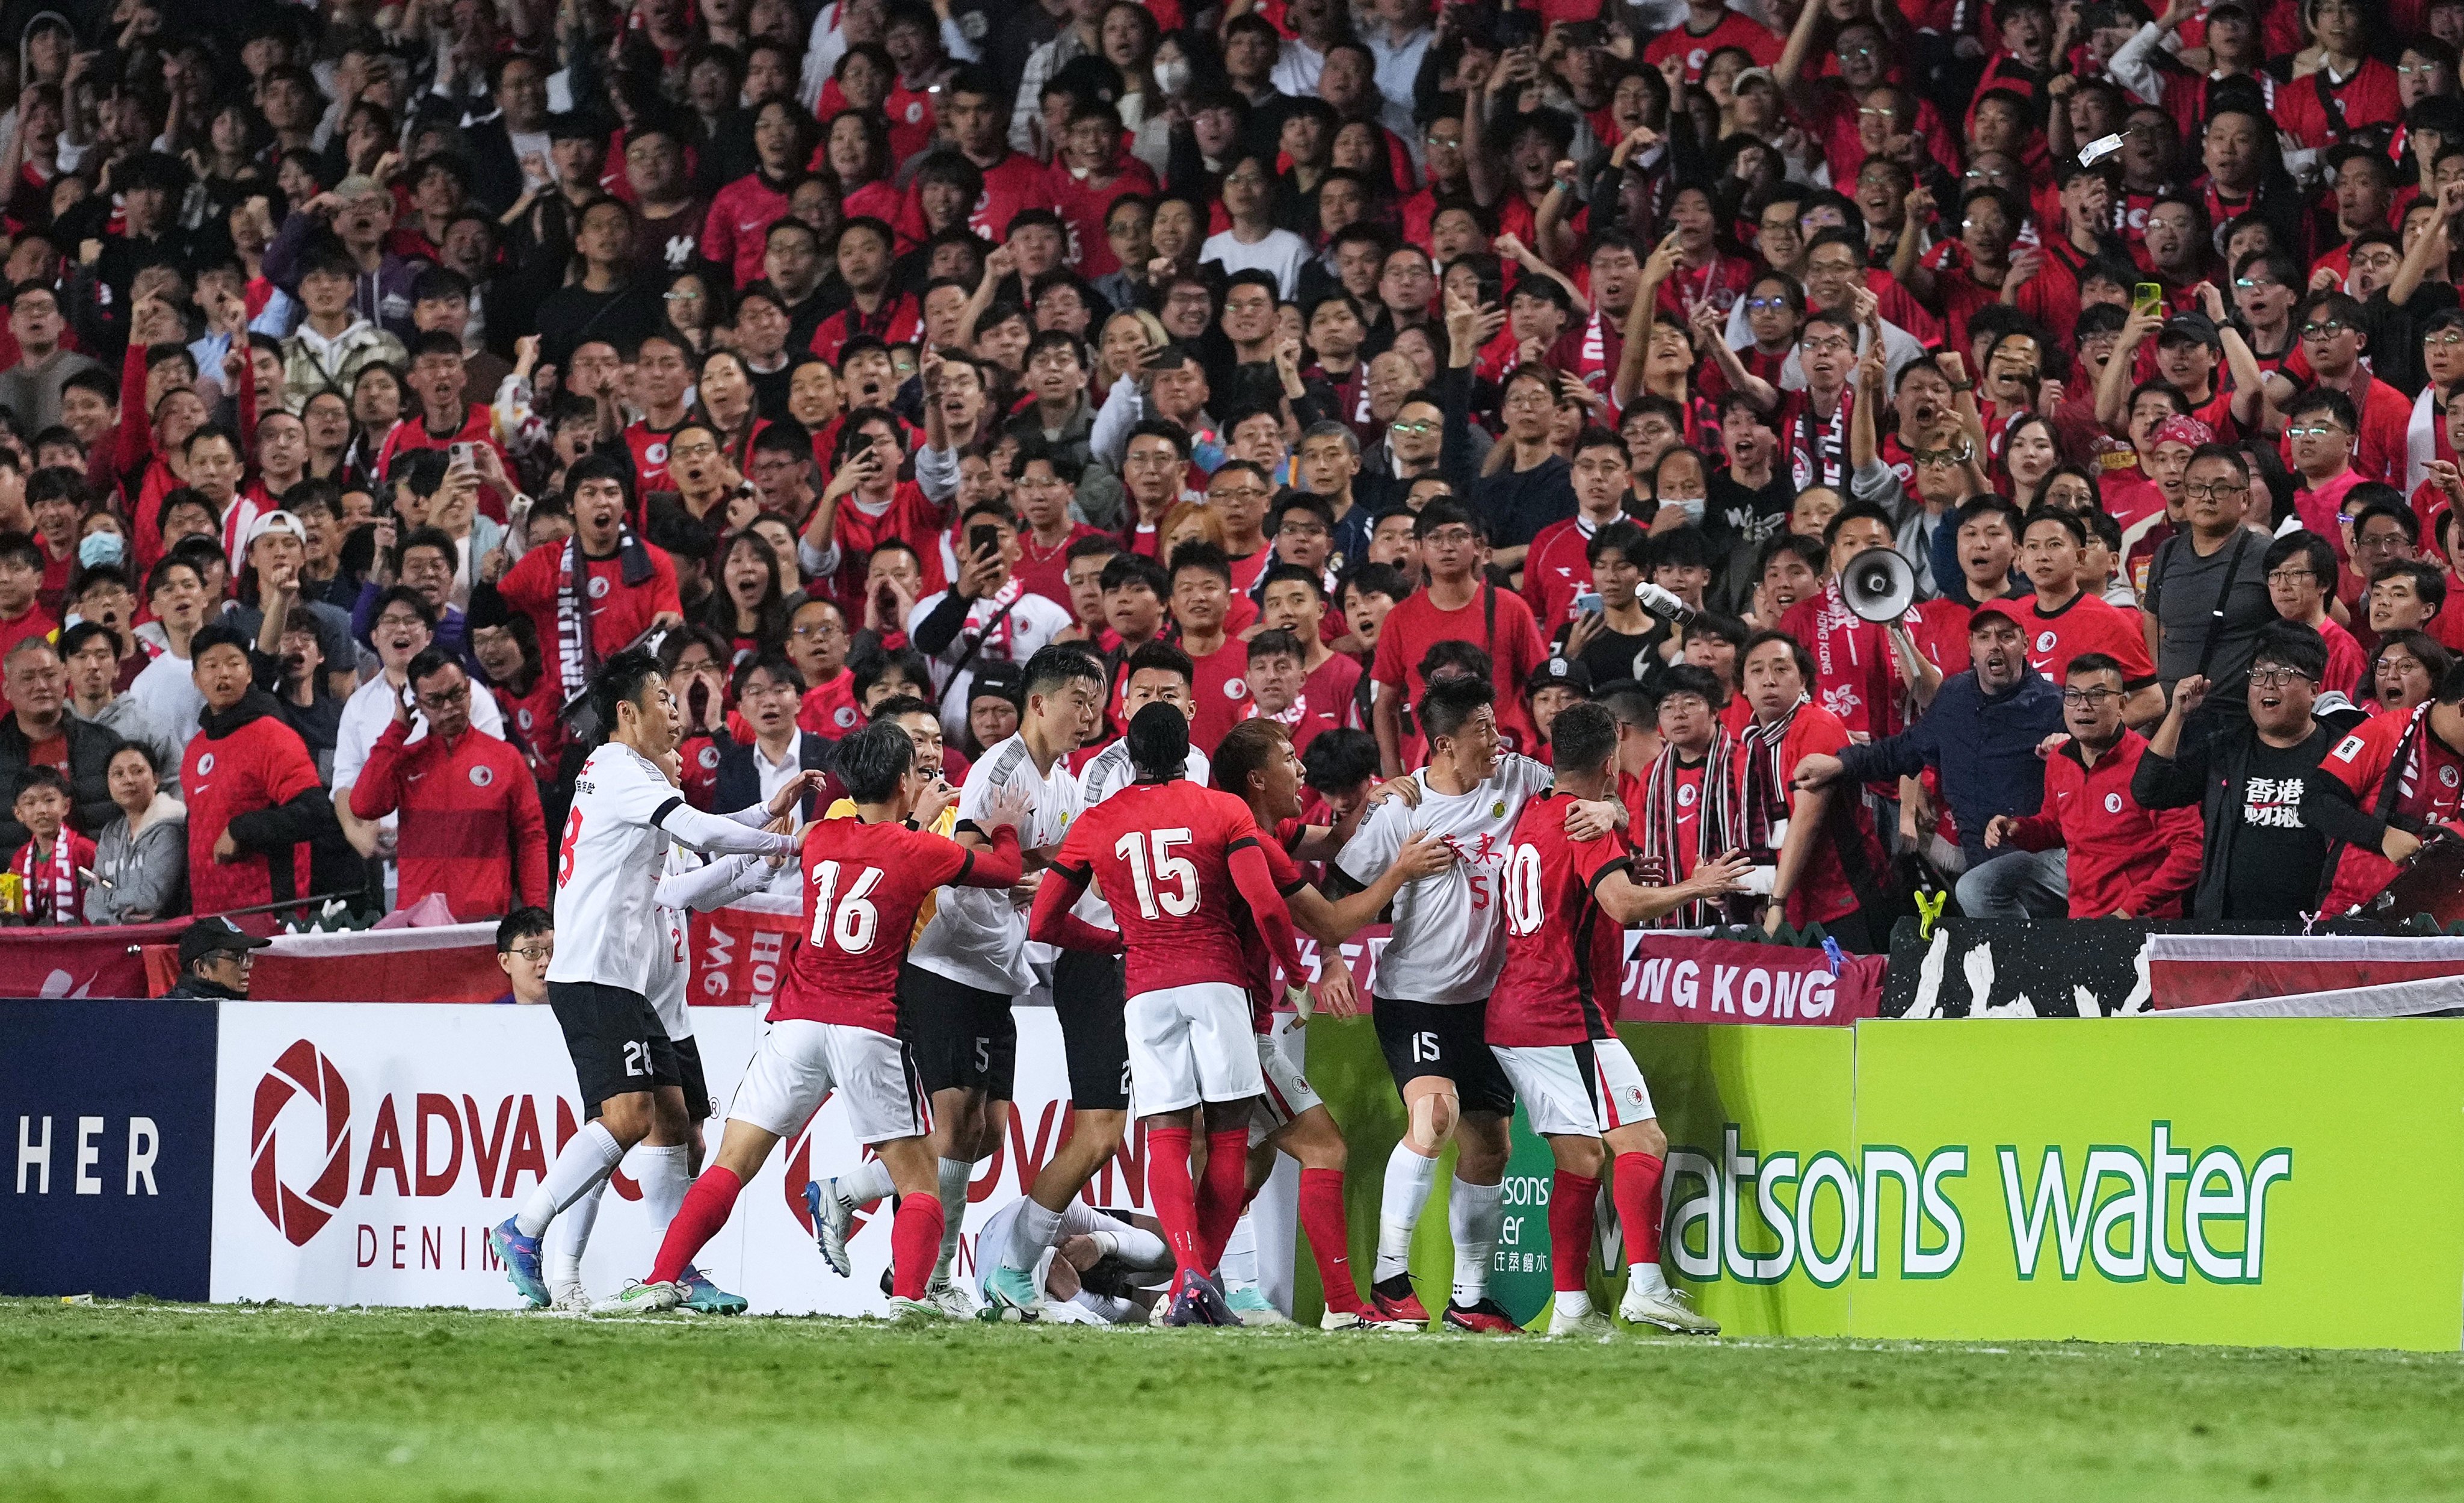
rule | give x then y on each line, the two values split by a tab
144	1401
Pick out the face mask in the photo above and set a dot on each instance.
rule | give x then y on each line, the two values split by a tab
1172	76
101	548
1691	506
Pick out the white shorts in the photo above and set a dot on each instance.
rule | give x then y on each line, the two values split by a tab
1586	1089
800	1063
1287	1094
1191	1044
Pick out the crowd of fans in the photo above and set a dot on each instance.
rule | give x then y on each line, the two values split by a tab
372	372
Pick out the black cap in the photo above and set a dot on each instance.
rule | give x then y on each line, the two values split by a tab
1001	680
1562	673
215	936
2192	327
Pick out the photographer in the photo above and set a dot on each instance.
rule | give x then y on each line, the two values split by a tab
987	616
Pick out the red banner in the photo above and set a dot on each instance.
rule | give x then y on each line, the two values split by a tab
104	960
739	955
448	962
2196	970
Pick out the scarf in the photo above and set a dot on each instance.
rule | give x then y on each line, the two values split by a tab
1712	819
1819	457
577	655
1760	813
48	890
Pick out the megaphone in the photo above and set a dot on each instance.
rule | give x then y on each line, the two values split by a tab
1878	585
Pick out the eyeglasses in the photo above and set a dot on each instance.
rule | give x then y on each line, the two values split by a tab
1452	537
446	698
2324	331
2254	283
773	690
2220	491
2290	577
2314	431
1765	304
536	954
1411	430
2380	543
1859	50
2088	698
2277	678
1529	397
398	621
1829	347
818	628
2450	338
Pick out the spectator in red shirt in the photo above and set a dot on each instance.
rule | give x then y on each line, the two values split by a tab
1460	606
2335	336
255	803
471	824
2066	621
2124	861
1792	833
1201	597
592	595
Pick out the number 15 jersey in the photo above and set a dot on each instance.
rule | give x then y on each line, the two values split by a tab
862	885
1161	853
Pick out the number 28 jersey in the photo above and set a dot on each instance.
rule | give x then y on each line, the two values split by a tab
607	866
1161	853
1564	957
862	885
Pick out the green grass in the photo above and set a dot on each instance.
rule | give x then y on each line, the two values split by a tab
144	1400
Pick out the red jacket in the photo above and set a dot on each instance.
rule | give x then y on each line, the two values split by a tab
471	820
249	773
2121	855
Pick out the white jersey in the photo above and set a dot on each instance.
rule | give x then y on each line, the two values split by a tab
688	883
607	865
1449	940
977	936
1108	774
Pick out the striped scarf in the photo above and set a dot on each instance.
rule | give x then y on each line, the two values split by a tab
1762	794
48	883
1712	823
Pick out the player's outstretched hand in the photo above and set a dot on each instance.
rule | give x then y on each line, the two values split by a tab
937	798
1006	807
1423	854
792	792
1726	875
1336	995
1408	789
1592	818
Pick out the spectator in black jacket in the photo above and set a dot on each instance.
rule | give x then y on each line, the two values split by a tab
41	731
769	691
2266	852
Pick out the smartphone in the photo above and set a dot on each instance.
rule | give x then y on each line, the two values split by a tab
463	456
1518	28
1588	602
1582	34
984	540
2146	297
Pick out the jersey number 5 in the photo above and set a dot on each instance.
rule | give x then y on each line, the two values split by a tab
1181	899
1520	882
853	923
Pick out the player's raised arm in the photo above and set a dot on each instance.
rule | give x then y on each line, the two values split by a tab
717	835
1630	903
1256	882
1051	923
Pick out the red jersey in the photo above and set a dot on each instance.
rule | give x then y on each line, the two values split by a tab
1082	207
735	234
1822	893
1012	185
1045	571
536	727
619	613
237	781
649	447
478	427
1557	568
2123	857
1275	844
1221	687
1564	958
1511	639
471	823
863	887
1735	29
2318	113
830	710
1854	676
2430	790
909	518
896	322
2087	625
1161	853
1334	687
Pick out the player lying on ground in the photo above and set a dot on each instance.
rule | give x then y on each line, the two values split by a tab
835	1026
1172	855
626	815
1566	902
1100	1267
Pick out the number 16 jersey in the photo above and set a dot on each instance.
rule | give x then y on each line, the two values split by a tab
862	885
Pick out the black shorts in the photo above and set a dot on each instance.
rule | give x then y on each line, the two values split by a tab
1090	998
616	1041
698	1102
961	1038
1449	1039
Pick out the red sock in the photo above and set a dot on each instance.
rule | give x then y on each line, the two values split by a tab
1329	1238
705	1210
1176	1199
1572	1211
1225	1191
914	1244
1636	1191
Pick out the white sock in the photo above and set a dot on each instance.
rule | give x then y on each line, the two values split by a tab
865	1183
1239	1265
1409	1179
568	1237
665	1175
955	1175
1475	1212
1574	1303
1029	1234
1646	1279
585	1162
